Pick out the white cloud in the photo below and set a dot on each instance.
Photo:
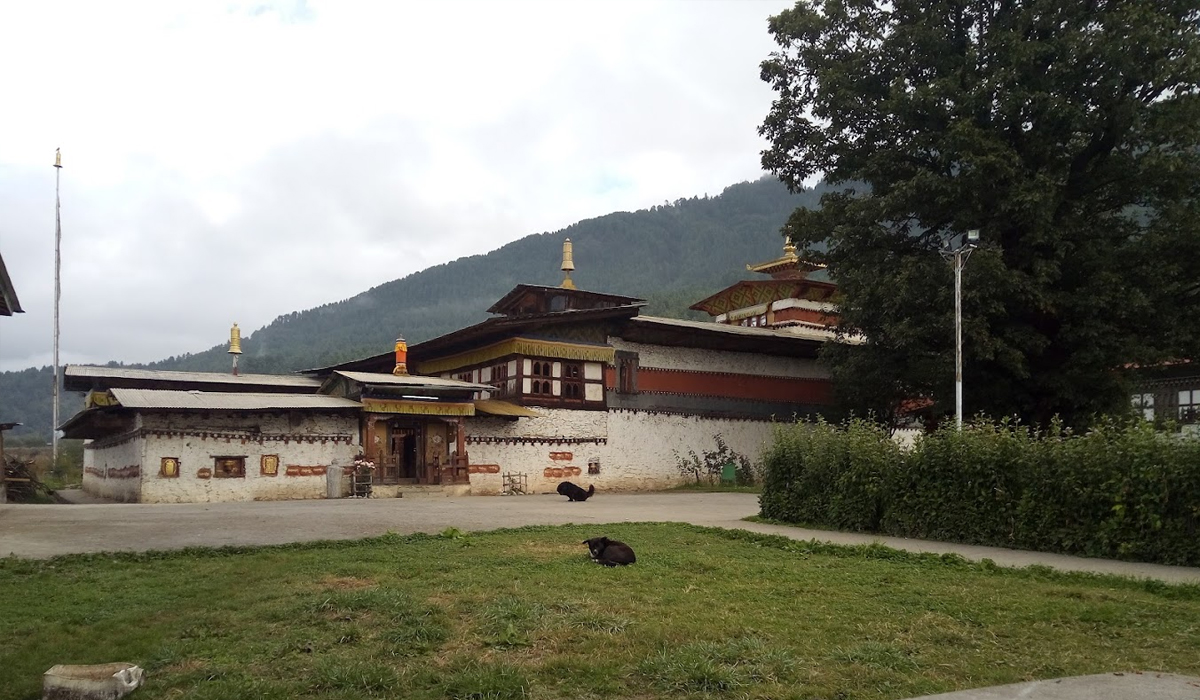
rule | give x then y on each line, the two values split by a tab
219	156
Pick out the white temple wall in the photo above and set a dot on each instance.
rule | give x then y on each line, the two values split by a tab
702	360
635	451
306	444
113	472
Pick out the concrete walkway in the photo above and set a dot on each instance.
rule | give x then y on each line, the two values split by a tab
41	531
1102	686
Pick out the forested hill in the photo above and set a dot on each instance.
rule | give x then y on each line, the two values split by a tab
672	255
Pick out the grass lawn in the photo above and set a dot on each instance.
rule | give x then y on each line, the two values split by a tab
523	613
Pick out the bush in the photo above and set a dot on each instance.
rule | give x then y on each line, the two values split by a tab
820	473
1122	490
711	463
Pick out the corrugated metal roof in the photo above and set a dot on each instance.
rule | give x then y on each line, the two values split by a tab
497	407
94	372
227	401
9	304
413	381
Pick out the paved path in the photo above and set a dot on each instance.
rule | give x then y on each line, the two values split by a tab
40	531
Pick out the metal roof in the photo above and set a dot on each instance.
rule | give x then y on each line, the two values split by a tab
9	304
413	380
227	401
82	372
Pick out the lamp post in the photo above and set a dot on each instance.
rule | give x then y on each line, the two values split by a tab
959	257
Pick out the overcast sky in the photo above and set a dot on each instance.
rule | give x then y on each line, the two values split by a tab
236	161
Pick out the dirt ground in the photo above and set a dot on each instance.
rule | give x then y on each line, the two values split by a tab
42	531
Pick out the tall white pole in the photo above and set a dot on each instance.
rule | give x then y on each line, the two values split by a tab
958	382
57	296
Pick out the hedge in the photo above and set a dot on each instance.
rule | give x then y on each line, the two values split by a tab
1121	491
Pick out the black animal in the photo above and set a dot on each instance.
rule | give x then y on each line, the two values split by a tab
610	552
575	493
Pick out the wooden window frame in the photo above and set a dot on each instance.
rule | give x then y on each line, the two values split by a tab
627	371
220	473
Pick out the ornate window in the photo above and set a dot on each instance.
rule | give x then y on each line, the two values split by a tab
229	467
572	381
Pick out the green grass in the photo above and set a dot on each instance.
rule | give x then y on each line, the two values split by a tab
524	614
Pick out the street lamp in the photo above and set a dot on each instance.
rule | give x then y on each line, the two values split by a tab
959	256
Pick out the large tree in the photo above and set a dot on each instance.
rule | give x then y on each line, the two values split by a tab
1067	131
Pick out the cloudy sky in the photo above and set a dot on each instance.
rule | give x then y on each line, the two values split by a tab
236	161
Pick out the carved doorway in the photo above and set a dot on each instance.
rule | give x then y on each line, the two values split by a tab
404	451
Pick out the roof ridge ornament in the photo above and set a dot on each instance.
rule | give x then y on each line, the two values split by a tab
568	264
401	368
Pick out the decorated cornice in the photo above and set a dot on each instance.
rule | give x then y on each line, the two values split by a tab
227	436
535	440
519	346
418	408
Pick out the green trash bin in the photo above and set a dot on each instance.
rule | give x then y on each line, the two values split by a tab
729	473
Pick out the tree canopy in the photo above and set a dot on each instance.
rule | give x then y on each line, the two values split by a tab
1067	131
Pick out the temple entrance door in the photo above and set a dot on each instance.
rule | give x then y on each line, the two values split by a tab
404	449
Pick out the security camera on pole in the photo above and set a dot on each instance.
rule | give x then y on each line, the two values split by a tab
959	256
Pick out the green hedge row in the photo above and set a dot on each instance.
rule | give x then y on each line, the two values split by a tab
1119	491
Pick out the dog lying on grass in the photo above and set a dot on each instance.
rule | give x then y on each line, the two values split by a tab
574	493
610	552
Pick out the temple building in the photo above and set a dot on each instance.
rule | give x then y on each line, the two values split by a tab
559	384
789	299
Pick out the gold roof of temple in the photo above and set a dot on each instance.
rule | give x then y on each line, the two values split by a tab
789	266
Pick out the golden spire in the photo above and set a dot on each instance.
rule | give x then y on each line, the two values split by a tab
401	367
58	157
568	265
789	248
235	340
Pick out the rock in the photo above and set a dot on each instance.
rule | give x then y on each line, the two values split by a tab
95	682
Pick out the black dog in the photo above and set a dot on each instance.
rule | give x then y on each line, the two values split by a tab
610	552
574	493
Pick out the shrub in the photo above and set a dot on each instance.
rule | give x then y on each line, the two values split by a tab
1121	490
710	464
822	474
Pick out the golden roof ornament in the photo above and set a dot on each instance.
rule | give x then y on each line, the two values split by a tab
235	340
568	264
789	248
401	367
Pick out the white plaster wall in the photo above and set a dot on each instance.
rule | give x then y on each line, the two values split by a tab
697	359
638	454
553	422
642	447
124	489
196	452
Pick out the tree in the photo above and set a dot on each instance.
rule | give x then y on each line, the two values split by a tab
1067	131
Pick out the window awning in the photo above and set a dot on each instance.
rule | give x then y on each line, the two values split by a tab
495	407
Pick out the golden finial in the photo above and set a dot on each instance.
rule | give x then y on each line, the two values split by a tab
401	357
789	248
235	340
568	264
58	157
